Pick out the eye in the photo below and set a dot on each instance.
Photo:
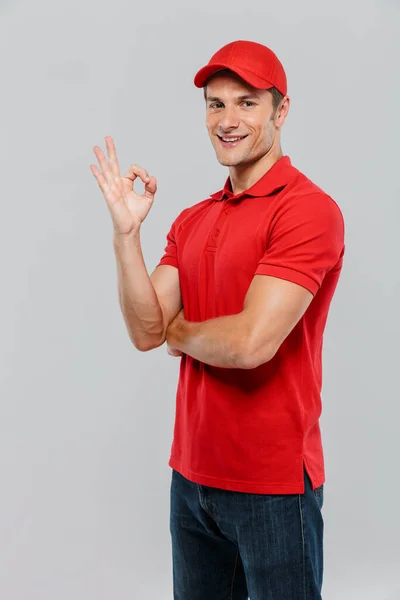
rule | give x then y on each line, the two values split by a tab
249	102
214	103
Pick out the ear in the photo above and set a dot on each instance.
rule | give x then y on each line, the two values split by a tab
282	111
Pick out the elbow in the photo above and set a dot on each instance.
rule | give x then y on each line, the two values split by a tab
142	347
146	344
146	340
254	355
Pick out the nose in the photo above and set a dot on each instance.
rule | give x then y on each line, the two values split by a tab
228	120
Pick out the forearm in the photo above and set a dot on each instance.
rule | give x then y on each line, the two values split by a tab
220	342
139	303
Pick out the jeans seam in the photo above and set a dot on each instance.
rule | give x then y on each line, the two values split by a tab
304	552
233	576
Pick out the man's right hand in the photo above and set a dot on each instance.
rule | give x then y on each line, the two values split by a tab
128	209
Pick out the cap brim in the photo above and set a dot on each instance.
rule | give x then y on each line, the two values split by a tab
254	80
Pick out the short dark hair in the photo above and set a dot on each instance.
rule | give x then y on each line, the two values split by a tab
277	97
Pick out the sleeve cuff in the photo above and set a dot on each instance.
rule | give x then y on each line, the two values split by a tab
289	275
168	260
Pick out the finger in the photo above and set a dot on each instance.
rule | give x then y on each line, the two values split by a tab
105	169
135	171
103	185
150	188
118	210
112	156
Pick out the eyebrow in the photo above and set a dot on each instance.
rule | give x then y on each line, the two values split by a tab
243	97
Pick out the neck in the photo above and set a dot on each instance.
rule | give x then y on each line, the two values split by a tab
245	176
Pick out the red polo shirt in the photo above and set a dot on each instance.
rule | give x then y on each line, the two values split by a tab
251	430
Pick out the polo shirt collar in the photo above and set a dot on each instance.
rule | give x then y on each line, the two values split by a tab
275	178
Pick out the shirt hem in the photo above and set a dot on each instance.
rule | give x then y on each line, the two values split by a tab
252	487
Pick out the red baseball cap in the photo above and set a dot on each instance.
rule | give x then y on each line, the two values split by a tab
253	62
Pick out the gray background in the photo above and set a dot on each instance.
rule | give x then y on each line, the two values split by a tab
86	420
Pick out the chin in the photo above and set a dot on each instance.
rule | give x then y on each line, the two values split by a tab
225	163
231	162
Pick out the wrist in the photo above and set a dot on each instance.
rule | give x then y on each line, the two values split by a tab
122	239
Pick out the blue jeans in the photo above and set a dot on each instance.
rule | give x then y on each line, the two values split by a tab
229	545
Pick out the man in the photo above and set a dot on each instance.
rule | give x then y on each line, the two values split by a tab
242	295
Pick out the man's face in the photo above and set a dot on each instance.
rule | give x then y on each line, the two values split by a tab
236	109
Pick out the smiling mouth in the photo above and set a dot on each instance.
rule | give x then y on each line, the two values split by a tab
229	140
226	142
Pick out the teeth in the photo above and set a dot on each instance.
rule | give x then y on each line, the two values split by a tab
231	139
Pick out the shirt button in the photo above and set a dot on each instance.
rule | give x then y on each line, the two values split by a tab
216	232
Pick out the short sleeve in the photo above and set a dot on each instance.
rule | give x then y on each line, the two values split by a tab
170	256
306	241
